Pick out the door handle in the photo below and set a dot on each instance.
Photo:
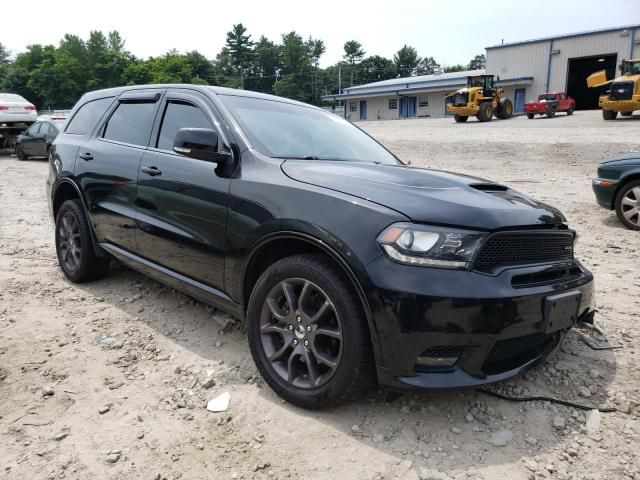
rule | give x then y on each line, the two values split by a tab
86	156
153	171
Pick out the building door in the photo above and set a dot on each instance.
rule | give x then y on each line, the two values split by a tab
578	71
519	100
407	107
363	109
403	107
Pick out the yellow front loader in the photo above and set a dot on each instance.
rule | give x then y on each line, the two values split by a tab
622	94
480	98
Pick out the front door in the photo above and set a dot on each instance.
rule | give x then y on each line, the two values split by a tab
363	109
30	139
407	107
519	100
182	201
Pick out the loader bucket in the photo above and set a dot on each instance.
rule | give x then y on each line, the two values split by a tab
597	79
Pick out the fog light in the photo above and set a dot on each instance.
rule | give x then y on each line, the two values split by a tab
436	361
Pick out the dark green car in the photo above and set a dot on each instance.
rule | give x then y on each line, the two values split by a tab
617	187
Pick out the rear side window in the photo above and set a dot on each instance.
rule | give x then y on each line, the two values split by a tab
179	115
131	123
85	119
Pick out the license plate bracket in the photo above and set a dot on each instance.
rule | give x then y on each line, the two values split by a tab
560	311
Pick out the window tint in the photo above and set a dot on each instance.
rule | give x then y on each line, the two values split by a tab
44	129
179	115
85	119
33	129
131	123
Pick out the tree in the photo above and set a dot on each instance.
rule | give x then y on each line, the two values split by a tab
376	68
4	62
428	66
289	86
315	49
353	53
478	62
266	65
455	68
407	61
240	49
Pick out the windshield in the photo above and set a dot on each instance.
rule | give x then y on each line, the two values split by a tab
284	130
633	68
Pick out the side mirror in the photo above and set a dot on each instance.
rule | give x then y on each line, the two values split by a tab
200	143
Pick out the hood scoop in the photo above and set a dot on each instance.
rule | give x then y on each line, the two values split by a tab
488	187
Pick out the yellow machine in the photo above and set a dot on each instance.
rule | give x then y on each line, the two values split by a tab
623	94
480	98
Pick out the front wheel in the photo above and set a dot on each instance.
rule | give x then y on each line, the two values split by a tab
530	116
74	245
551	112
609	114
505	109
460	118
20	153
485	113
570	111
628	205
308	334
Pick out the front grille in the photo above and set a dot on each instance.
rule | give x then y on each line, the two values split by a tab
460	100
511	348
621	91
522	248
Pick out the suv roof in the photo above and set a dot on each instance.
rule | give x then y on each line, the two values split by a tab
115	91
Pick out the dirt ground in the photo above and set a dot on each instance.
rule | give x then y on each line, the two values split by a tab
110	379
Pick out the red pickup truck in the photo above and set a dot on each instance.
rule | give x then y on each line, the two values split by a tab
549	104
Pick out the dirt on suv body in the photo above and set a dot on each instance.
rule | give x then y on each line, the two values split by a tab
347	265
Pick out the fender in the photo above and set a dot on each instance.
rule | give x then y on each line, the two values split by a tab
94	239
333	253
629	176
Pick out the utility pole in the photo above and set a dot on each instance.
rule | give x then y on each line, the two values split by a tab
339	79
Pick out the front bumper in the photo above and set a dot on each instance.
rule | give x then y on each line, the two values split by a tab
463	111
605	189
536	109
620	105
493	329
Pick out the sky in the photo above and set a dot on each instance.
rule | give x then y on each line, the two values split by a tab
451	31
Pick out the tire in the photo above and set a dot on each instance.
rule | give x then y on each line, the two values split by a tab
551	112
570	111
486	112
505	109
20	153
626	114
74	245
609	114
629	213
285	339
530	116
460	118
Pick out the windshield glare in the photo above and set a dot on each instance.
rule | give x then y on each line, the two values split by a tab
285	130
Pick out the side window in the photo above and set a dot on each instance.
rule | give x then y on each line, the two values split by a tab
44	129
33	129
86	117
131	123
179	115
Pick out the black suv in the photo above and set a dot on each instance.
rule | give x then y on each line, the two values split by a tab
346	264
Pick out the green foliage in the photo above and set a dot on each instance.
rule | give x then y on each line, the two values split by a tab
455	68
427	66
407	61
478	62
289	86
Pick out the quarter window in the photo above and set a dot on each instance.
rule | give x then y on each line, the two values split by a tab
179	115
86	117
393	104
131	123
423	102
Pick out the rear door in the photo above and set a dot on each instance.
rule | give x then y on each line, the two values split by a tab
107	165
40	146
182	202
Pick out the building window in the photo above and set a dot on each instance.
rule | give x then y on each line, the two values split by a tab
423	102
393	104
353	106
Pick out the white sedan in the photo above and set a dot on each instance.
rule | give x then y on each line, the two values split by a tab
15	109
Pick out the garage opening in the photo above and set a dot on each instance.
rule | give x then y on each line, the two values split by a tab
579	69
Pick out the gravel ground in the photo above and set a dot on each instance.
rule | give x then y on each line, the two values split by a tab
110	379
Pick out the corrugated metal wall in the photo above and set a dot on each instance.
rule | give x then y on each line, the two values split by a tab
378	107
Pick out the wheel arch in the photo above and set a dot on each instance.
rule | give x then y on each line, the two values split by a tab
629	177
284	244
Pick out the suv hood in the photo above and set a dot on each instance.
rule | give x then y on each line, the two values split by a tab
427	196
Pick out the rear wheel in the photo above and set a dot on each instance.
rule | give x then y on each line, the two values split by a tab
74	245
609	114
460	118
530	116
628	205
505	109
307	332
485	113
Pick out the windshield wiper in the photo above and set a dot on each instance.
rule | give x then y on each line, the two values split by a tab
308	157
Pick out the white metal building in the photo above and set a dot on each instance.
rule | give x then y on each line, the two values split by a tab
525	69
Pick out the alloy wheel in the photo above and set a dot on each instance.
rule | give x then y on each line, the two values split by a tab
69	241
630	206
301	333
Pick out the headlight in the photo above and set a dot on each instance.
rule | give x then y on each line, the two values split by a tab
429	246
